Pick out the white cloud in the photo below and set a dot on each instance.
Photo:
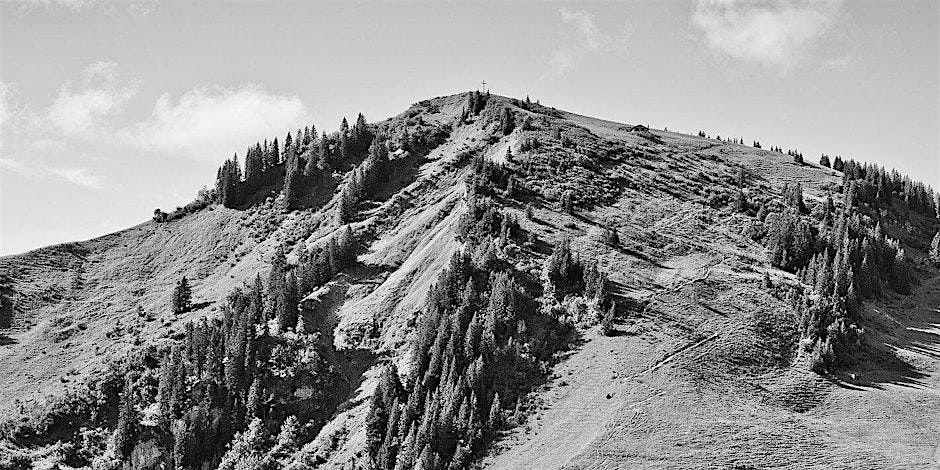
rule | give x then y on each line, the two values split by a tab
69	4
583	22
584	38
79	111
134	7
76	175
79	176
769	33
6	98
207	122
561	60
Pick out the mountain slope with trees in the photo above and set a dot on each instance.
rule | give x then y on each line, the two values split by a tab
424	291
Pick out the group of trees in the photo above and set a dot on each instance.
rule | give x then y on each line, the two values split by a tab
224	373
797	156
874	185
843	255
487	177
482	343
374	170
480	347
304	162
238	369
316	267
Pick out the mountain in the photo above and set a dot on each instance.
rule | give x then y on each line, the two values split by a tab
486	281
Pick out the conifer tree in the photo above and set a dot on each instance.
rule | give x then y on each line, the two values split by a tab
274	154
566	204
346	209
276	295
181	296
740	201
288	320
607	323
611	236
496	414
934	252
507	122
293	182
125	431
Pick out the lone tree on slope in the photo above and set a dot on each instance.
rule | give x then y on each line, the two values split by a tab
181	296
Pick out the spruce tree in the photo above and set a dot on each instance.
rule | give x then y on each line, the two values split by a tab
934	252
276	295
125	431
181	296
607	323
293	183
289	317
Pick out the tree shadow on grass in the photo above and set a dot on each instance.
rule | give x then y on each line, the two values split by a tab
6	340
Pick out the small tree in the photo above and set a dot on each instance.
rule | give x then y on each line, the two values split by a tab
496	414
126	429
824	161
740	201
159	215
607	323
566	204
611	237
181	296
934	253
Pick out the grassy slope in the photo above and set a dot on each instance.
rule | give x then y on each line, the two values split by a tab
692	382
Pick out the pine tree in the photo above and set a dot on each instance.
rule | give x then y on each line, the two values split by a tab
288	147
293	183
740	201
274	154
934	253
182	295
507	122
611	236
288	320
607	323
378	153
566	204
326	156
125	432
346	210
276	296
496	415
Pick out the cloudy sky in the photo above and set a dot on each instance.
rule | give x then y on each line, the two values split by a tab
111	109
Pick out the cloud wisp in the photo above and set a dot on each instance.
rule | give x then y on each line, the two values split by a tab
78	111
773	34
584	24
207	119
89	113
78	176
587	39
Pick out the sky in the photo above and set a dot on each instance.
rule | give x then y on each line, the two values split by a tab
111	109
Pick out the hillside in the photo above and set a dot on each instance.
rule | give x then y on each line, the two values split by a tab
554	291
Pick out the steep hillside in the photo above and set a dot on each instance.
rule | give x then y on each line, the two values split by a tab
528	288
